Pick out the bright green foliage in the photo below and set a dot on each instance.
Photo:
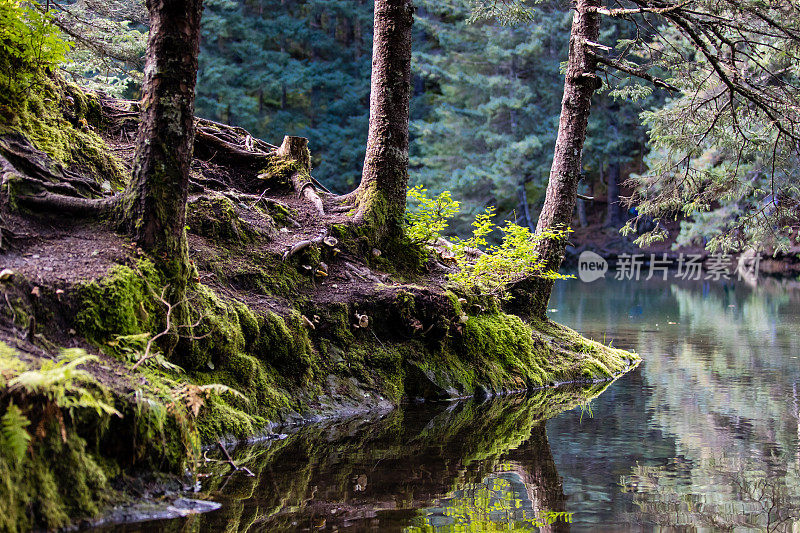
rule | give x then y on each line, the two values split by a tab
514	258
62	382
29	44
725	151
428	217
14	433
479	264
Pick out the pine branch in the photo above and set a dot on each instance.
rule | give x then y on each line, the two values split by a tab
633	71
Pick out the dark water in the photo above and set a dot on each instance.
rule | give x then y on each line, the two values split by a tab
702	436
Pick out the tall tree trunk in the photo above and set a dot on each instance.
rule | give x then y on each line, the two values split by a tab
530	296
381	196
614	213
155	202
534	462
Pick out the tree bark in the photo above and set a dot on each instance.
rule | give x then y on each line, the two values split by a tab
155	200
381	196
530	296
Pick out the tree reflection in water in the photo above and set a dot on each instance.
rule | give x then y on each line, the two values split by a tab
705	433
486	465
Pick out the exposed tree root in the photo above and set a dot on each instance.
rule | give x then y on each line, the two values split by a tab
296	149
302	245
305	189
70	204
18	156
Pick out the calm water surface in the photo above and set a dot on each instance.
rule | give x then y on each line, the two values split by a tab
702	436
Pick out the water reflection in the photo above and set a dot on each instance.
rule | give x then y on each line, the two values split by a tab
711	415
703	436
455	467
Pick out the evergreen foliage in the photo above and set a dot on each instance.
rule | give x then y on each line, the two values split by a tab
292	68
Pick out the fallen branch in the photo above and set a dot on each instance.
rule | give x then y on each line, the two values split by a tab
229	460
148	349
210	146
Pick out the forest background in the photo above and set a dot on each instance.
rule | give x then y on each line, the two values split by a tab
485	99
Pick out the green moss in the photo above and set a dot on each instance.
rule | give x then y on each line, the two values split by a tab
257	271
119	304
57	480
57	119
279	172
284	343
398	255
220	420
215	217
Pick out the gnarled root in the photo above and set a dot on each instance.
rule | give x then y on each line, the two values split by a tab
89	207
296	149
305	189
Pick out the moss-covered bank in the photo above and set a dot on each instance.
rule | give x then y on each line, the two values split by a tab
285	326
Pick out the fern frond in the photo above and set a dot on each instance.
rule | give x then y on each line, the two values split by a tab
15	436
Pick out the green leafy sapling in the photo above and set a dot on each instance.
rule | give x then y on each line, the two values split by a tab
478	264
428	217
29	45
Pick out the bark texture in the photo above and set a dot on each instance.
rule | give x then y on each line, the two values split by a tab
155	203
381	196
531	295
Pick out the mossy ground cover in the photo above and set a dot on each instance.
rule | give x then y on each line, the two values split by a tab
275	337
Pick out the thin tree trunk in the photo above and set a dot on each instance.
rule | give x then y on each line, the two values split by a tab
524	209
155	203
580	208
613	214
530	296
381	196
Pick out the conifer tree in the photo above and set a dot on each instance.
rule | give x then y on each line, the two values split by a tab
154	205
381	196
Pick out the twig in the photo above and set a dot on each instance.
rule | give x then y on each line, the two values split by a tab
230	461
13	312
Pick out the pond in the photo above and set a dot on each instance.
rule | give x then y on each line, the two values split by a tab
703	435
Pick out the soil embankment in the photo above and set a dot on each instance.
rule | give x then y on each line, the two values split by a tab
295	315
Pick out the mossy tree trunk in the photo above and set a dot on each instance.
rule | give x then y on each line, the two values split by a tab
531	295
155	201
381	196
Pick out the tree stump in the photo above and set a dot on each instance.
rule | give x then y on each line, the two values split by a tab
296	149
